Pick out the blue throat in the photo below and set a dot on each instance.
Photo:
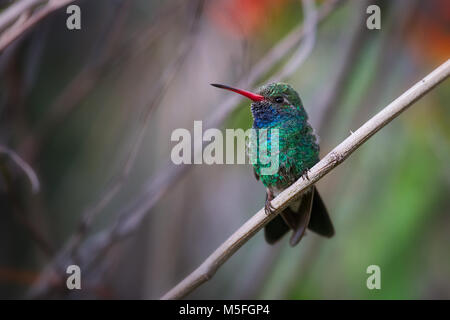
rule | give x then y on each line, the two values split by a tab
266	116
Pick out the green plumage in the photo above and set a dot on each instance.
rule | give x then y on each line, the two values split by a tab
298	148
278	106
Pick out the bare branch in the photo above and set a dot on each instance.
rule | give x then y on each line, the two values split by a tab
101	62
157	95
14	11
310	29
333	91
11	34
34	181
208	268
15	204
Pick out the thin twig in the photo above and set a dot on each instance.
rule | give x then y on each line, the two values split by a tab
209	267
88	77
310	29
330	98
15	11
16	205
266	63
158	93
11	34
26	168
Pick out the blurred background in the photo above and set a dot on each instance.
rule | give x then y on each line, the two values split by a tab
91	113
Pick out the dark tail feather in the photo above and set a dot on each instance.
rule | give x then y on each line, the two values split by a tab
302	217
275	229
320	221
288	219
315	217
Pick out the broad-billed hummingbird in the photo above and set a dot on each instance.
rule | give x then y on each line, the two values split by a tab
278	106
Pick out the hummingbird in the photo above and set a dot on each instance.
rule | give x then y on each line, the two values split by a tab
278	106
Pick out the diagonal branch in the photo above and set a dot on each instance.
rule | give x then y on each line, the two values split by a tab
209	267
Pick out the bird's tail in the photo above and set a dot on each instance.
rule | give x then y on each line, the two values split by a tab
311	214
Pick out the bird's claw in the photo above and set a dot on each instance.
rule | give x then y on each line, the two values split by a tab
305	174
268	208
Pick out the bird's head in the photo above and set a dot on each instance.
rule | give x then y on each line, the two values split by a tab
272	103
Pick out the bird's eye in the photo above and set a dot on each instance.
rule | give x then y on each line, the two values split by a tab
279	99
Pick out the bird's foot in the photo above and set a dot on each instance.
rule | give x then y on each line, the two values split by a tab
268	208
305	174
